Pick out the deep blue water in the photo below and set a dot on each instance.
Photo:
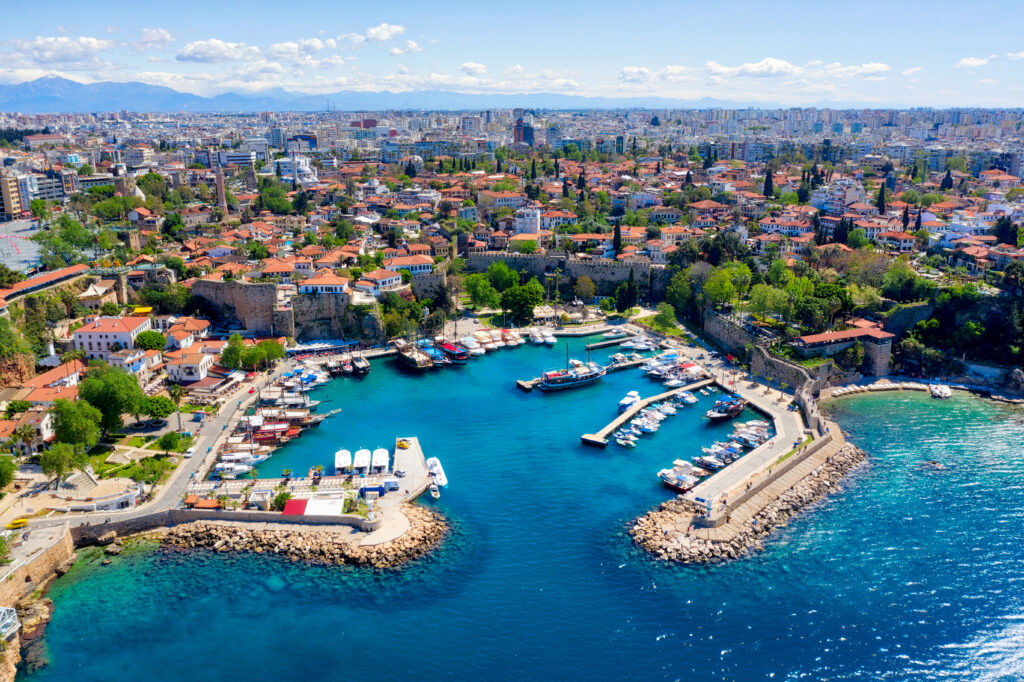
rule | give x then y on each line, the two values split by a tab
908	573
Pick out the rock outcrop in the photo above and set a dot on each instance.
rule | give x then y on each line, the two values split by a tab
669	532
426	530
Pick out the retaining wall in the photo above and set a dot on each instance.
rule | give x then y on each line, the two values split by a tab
27	576
252	305
729	336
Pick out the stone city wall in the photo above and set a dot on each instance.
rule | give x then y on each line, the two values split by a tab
777	369
905	315
28	576
251	305
729	336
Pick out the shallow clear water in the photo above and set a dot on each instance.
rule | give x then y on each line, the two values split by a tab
908	573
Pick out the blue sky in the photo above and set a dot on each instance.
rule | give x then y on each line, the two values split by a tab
794	53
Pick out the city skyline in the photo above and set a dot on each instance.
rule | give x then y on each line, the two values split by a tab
913	54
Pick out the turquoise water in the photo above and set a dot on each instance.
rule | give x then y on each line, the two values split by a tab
908	573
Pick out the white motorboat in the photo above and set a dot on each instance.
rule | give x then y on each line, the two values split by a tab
688	398
231	469
342	461
631	399
615	334
549	338
536	336
472	345
497	339
625	442
437	471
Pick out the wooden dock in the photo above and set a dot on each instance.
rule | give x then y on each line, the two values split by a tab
600	439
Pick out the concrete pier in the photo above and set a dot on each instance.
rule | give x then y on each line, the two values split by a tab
600	439
608	343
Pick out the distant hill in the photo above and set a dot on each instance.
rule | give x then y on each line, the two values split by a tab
60	95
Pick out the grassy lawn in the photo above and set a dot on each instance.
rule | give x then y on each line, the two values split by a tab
811	362
137	441
100	450
648	321
786	456
188	408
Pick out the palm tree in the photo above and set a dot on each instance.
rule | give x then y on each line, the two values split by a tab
176	393
24	435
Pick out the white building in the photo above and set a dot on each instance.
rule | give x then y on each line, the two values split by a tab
105	335
527	220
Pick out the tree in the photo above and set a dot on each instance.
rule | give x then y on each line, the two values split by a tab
253	357
626	294
8	467
501	275
17	407
481	293
666	316
765	300
159	407
585	288
520	301
231	355
77	423
679	293
947	182
110	309
719	288
906	217
769	183
272	350
617	238
169	442
151	340
112	391
1013	278
60	459
176	393
857	239
880	201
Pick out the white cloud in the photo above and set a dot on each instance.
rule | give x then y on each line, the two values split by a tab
354	38
1015	55
61	49
214	50
410	46
634	74
384	32
911	71
473	69
837	70
402	69
971	62
987	81
153	39
767	67
673	73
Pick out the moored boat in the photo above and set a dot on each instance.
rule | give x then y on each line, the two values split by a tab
631	399
577	374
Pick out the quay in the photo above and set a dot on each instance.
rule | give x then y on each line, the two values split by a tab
600	439
530	384
608	343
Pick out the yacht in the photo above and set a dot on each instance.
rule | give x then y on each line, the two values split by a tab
536	336
549	338
631	399
472	345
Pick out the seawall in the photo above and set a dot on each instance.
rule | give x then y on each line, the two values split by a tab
674	531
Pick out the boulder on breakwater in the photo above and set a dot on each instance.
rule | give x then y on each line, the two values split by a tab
427	528
669	532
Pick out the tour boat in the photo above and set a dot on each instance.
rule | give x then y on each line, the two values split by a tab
674	383
454	352
631	399
484	339
361	461
678	480
709	462
727	408
497	339
231	469
437	471
437	357
577	374
411	356
346	364
360	365
379	461
472	345
342	461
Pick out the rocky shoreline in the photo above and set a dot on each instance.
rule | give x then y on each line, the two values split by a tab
427	528
668	531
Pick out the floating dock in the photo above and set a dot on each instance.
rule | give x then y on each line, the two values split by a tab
607	343
600	439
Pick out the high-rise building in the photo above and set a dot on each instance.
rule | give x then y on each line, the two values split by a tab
10	197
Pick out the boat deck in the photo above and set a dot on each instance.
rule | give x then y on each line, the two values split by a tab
600	439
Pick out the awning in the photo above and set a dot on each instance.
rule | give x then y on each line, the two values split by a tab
294	508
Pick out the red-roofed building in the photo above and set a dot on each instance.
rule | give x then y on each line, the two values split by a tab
106	335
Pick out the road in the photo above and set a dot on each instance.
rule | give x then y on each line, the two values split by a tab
168	495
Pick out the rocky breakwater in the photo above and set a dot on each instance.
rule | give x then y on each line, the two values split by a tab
318	546
670	532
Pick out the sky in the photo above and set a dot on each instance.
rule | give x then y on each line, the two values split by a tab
796	53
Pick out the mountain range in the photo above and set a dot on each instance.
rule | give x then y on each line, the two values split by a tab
53	94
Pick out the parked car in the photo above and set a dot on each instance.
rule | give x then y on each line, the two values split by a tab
190	452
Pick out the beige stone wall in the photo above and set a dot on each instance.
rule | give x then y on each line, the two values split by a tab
28	576
252	305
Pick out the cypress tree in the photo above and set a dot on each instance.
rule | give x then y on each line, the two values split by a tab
917	220
533	169
689	178
557	172
617	240
497	165
769	183
947	181
581	181
880	202
565	188
906	217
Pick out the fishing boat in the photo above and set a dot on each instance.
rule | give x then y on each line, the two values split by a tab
434	492
437	471
678	479
708	462
576	374
346	363
411	356
688	398
626	442
631	399
360	365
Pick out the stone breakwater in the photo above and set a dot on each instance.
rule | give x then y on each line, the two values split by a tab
670	533
426	530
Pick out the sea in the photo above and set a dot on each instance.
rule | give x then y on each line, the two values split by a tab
912	571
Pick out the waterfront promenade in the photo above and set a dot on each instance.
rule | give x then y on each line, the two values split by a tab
600	438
